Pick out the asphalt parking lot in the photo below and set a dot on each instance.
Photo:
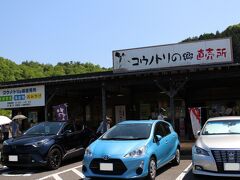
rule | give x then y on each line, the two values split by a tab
73	170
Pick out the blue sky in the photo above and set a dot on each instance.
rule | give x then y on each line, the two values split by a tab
51	31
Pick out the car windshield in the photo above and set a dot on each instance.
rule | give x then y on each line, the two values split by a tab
222	127
128	132
45	128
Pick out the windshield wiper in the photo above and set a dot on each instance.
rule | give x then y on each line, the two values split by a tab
114	139
47	134
233	133
123	138
140	138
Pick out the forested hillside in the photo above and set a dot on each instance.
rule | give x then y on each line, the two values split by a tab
10	71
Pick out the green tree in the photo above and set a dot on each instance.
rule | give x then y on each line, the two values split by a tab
9	70
232	31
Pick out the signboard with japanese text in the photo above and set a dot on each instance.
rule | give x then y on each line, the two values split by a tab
31	96
216	51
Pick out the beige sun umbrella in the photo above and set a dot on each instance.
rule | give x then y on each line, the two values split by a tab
4	120
20	116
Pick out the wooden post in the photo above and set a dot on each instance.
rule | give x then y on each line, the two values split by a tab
47	100
104	108
46	112
174	87
172	107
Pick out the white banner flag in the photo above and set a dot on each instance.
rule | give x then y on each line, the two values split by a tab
195	115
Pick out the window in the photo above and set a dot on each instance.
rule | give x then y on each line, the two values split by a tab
45	128
68	127
166	128
159	130
162	129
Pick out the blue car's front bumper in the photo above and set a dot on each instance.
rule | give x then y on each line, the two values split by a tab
125	168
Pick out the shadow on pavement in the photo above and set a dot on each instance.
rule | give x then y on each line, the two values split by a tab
186	157
34	170
191	176
163	169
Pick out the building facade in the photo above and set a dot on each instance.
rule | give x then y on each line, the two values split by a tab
124	94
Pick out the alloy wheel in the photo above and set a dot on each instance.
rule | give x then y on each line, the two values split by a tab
177	156
152	169
54	159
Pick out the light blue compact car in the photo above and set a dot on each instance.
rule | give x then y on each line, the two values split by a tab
132	149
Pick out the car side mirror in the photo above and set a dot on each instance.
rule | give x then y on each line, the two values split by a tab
198	133
67	132
158	138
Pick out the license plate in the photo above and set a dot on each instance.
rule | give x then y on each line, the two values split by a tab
231	166
106	167
13	158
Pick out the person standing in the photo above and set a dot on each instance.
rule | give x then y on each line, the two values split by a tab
160	115
5	131
15	128
100	129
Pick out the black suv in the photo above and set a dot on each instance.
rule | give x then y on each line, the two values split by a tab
46	144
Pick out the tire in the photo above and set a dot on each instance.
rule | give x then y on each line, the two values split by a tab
176	160
152	169
54	159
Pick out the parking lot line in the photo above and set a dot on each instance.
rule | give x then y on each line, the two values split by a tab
18	174
55	175
78	173
185	171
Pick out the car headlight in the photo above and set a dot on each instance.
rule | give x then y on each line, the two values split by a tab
137	152
5	142
38	143
201	151
88	152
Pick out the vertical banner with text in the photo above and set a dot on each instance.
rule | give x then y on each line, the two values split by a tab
60	112
195	115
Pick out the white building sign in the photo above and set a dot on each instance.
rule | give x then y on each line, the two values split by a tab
182	54
30	96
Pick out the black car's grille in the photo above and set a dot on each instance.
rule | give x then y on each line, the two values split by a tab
22	158
16	149
225	156
118	167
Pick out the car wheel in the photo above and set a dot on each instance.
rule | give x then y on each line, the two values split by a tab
54	158
152	169
176	160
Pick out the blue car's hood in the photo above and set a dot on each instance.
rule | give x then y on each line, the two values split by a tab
22	140
115	147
